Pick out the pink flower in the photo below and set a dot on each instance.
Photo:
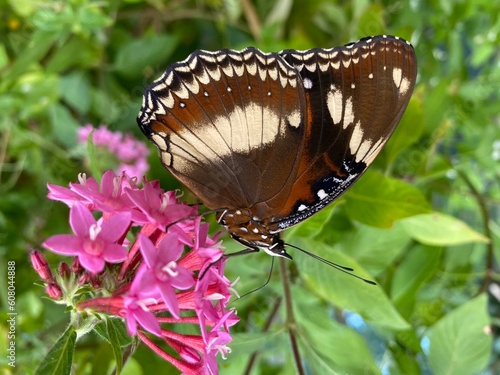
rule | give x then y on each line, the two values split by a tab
130	153
157	207
94	242
163	273
153	289
216	343
109	196
70	196
135	308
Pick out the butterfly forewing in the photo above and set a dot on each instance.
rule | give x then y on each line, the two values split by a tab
222	120
355	95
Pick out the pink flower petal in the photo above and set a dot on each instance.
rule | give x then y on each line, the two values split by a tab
148	321
113	228
66	244
183	280
91	263
170	299
80	220
148	251
115	253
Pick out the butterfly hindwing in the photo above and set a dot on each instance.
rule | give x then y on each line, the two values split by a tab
355	95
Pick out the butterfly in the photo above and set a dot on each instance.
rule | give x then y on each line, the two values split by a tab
269	139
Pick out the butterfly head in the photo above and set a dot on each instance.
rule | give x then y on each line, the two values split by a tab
252	232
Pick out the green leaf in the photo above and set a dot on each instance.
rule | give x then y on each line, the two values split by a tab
134	57
375	248
93	18
59	359
76	52
75	90
416	268
437	229
329	347
344	291
25	8
407	132
379	201
39	45
4	58
372	20
122	337
247	343
459	344
114	340
64	125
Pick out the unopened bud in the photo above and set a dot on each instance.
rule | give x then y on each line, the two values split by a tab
41	266
54	291
83	279
64	270
76	267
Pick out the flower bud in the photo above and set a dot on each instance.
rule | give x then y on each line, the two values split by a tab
54	291
64	270
41	266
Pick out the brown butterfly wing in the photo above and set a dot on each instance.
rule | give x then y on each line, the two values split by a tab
355	96
229	125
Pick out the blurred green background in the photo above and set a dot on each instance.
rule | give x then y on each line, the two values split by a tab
423	222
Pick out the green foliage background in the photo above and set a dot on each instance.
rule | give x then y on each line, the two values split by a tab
423	222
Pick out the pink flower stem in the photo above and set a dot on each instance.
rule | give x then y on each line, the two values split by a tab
109	305
186	368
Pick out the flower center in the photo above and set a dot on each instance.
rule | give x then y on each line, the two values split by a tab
170	269
117	183
92	245
94	231
164	203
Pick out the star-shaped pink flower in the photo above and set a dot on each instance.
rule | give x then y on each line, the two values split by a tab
164	274
94	242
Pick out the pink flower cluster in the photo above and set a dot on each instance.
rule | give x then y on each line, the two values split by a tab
149	260
131	153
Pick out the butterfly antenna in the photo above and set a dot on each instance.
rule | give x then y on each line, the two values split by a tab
263	285
247	250
347	270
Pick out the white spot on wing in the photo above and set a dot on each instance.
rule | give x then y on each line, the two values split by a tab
334	104
396	76
321	194
356	138
308	83
363	150
402	83
294	119
348	113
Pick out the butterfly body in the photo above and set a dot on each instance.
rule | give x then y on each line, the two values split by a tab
269	139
